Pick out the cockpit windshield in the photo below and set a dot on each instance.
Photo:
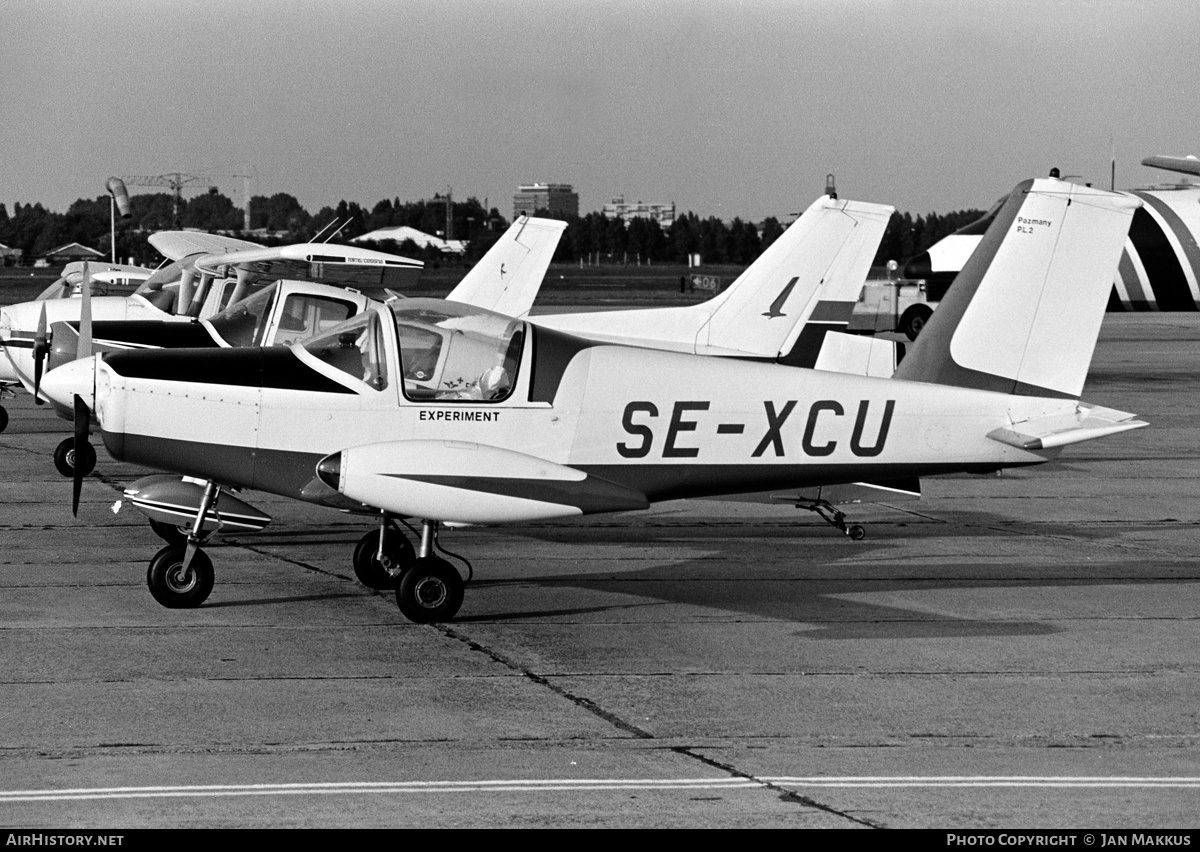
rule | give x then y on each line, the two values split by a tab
453	352
243	322
356	348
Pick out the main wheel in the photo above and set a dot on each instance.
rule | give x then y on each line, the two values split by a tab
170	533
914	319
3	418
431	590
65	458
174	587
398	550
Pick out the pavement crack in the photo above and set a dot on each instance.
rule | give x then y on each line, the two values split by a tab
595	709
578	700
785	794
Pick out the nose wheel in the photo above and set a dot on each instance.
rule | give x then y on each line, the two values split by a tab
177	584
180	576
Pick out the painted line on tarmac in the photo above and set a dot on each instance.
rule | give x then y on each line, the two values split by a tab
983	781
518	785
567	785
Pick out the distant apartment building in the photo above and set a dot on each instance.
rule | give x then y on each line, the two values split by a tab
663	214
559	200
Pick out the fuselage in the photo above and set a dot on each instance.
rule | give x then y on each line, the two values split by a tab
664	424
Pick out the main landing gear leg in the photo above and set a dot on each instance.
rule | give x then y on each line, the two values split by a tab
382	556
181	577
833	516
432	589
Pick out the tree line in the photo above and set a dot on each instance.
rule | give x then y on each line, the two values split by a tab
280	219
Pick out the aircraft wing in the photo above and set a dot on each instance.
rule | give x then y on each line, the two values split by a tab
177	245
462	482
323	263
1088	422
1188	165
508	277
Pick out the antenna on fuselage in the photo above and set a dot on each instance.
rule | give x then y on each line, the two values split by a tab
317	235
338	231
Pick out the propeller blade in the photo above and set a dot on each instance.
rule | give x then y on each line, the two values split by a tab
85	315
83	418
40	348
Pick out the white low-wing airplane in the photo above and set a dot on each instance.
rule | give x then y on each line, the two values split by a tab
481	418
799	293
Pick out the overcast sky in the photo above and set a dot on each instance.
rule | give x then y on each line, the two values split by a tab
726	108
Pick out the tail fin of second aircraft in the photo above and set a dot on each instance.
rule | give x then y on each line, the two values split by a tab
815	270
508	277
1024	313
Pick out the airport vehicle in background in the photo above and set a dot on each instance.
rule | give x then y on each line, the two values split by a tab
1159	268
484	418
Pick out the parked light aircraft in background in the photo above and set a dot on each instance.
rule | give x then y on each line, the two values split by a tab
482	418
814	271
171	294
507	277
107	279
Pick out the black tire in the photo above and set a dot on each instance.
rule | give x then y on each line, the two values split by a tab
856	532
174	589
431	590
3	418
170	533
914	319
396	548
64	458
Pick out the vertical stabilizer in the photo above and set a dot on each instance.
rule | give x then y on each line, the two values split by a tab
1024	313
508	277
813	272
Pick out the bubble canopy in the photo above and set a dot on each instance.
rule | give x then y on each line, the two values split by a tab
449	352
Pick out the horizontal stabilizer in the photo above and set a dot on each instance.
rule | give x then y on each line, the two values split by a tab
857	355
855	492
1086	423
463	482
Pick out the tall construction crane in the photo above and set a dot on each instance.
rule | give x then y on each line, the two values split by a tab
175	180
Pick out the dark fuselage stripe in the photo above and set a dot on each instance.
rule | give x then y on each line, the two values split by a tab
269	367
287	472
